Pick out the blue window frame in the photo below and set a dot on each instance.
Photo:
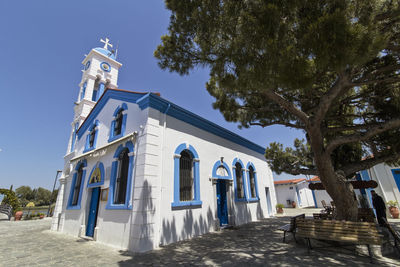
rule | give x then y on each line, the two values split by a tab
98	91
83	90
118	124
119	195
239	180
217	168
91	138
74	137
75	194
252	182
186	177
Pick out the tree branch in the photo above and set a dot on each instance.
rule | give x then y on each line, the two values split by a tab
287	124
288	106
298	171
327	99
391	124
368	163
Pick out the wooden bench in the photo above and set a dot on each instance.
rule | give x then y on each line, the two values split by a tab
291	227
6	209
394	233
359	233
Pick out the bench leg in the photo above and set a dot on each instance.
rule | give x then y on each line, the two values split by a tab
308	245
370	254
284	236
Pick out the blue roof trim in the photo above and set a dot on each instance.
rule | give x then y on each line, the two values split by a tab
156	102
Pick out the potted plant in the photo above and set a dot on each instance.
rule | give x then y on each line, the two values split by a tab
293	204
18	214
393	209
41	215
279	208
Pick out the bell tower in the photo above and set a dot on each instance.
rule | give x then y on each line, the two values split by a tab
100	71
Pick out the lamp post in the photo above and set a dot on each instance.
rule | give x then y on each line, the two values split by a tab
55	181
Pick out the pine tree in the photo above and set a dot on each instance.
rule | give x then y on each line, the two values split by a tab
328	68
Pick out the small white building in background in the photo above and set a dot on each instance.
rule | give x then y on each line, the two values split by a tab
141	172
297	190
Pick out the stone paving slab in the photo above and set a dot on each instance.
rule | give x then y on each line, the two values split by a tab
30	243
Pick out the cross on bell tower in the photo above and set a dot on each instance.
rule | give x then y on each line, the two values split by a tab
106	43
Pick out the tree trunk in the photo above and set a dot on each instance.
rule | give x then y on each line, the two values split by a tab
335	183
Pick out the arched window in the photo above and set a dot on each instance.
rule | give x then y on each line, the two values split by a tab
74	137
252	182
75	194
98	90
239	180
117	128
186	177
83	90
118	123
122	177
91	138
77	186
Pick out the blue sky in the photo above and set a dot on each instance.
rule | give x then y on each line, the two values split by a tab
42	45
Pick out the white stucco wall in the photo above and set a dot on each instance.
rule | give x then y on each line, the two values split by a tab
322	195
178	224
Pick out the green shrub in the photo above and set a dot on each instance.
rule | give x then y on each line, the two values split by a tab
279	206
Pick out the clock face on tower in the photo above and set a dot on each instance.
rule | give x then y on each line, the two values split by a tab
87	65
105	66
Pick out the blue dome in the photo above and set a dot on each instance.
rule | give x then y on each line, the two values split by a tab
105	52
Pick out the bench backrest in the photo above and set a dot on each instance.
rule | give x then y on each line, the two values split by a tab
294	219
361	233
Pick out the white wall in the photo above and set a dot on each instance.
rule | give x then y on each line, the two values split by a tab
286	192
181	224
322	195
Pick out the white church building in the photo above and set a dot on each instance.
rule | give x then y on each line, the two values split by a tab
141	172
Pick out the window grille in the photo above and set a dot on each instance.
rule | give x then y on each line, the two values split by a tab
118	123
91	137
122	177
252	182
186	176
77	186
239	181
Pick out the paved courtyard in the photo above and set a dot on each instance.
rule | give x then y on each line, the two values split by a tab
30	243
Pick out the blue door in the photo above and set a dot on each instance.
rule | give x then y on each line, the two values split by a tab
92	218
222	203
